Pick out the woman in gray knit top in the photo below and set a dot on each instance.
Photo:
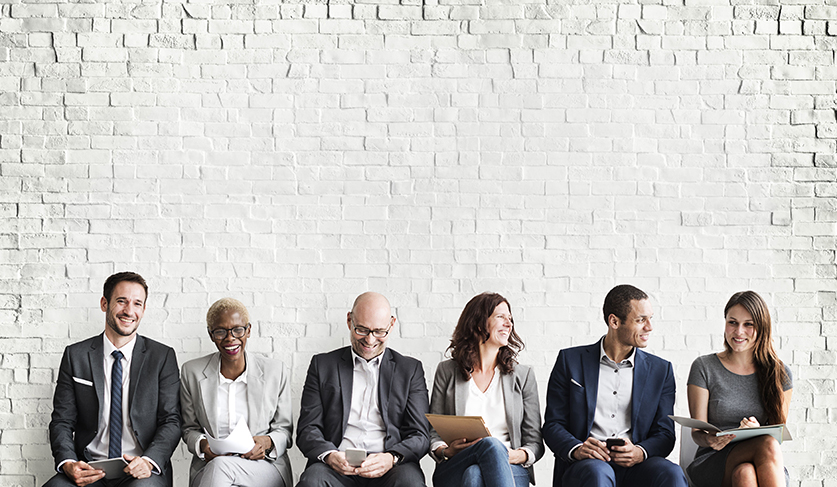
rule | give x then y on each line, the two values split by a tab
746	385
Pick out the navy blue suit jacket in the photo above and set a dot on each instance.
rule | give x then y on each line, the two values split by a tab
570	407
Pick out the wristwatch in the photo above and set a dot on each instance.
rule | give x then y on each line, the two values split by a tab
396	457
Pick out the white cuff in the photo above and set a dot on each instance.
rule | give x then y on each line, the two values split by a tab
156	468
62	464
324	454
198	451
573	449
644	453
530	457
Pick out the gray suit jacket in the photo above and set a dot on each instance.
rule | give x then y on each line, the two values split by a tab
520	392
327	400
268	405
153	400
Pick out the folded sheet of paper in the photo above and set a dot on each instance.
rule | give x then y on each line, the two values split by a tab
239	440
778	431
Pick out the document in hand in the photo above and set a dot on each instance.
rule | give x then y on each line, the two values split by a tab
778	431
114	467
452	427
239	441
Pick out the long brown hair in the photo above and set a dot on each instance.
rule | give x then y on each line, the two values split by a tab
471	331
770	371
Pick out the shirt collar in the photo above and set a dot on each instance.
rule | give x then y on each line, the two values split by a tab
629	360
375	362
241	379
127	349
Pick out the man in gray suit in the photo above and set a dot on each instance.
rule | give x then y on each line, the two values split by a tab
364	397
230	386
117	395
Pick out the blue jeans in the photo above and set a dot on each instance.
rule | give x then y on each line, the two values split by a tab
653	472
483	464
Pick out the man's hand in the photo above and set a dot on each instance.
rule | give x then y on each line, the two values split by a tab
337	461
592	448
81	473
376	465
627	455
262	445
138	467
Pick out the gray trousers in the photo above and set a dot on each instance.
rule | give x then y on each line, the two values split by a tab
231	471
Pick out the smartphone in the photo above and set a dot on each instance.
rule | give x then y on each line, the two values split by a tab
611	442
355	456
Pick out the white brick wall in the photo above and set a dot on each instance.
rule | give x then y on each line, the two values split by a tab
293	154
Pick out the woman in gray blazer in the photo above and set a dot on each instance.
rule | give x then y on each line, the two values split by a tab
482	378
230	386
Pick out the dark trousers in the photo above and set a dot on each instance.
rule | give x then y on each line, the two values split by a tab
321	475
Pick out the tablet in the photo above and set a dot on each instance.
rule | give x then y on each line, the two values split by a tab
114	467
452	428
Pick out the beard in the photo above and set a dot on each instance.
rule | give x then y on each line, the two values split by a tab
113	325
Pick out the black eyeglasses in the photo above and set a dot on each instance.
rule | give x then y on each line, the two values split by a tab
364	332
221	333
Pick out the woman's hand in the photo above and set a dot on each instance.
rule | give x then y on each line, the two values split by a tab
518	457
750	422
457	446
717	442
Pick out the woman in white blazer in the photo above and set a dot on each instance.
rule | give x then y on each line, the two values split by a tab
229	386
482	378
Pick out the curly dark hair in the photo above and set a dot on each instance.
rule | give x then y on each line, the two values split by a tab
471	331
770	370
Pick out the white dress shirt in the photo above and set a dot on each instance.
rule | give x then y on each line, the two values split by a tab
365	428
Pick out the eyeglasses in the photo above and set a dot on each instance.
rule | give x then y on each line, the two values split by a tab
219	334
365	332
361	331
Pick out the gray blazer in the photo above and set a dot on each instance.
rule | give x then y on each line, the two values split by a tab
268	405
520	394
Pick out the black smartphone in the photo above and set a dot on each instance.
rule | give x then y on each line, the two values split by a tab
611	442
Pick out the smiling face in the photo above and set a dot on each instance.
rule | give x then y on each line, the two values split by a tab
371	312
231	348
499	326
123	311
635	331
740	330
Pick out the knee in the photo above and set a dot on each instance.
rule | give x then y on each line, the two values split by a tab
744	474
668	473
768	450
494	447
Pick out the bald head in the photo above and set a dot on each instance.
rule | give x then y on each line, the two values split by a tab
371	314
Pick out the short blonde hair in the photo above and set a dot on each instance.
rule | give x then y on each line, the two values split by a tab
223	305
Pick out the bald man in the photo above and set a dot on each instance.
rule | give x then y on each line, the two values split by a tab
364	397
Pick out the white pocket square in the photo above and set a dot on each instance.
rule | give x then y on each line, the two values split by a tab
83	381
576	383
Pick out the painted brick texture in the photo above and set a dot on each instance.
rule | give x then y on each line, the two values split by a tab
294	154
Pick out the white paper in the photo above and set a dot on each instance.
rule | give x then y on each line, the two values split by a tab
239	440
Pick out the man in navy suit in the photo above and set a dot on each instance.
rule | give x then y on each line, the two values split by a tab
117	395
613	390
364	397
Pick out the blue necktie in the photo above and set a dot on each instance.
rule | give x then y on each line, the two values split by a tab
115	439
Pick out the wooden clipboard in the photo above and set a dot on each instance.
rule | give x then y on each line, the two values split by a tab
451	427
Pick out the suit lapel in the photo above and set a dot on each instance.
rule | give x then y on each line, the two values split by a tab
344	371
209	393
640	375
507	381
590	369
255	388
97	368
387	371
460	391
137	361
